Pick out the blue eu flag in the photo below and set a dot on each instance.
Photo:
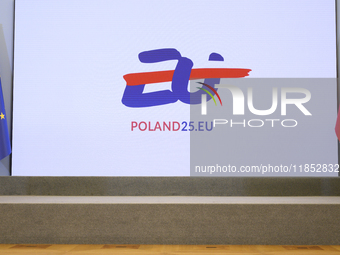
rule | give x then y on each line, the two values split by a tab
5	145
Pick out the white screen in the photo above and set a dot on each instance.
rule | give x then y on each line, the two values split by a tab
71	55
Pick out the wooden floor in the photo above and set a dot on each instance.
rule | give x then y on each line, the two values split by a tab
166	249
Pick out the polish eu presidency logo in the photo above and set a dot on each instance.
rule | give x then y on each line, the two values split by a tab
135	82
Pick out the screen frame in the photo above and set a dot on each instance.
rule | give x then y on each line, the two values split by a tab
338	96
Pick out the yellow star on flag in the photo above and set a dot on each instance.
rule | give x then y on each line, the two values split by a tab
2	116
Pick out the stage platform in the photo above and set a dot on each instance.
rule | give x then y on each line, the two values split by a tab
170	186
170	220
